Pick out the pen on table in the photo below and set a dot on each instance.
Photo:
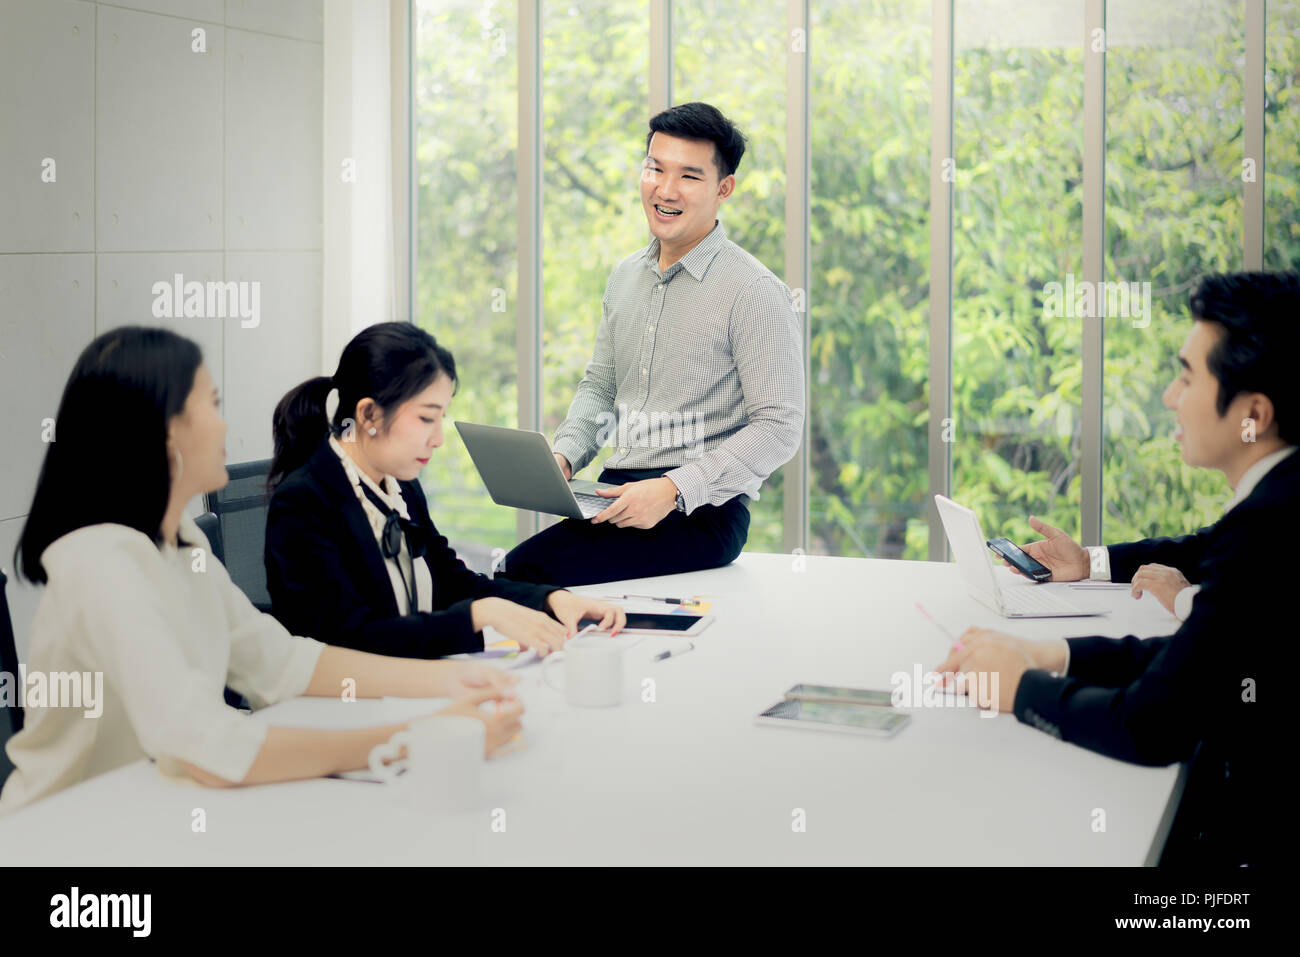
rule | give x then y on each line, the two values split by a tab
933	621
957	644
666	601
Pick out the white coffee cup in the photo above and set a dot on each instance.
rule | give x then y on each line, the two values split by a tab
443	767
593	672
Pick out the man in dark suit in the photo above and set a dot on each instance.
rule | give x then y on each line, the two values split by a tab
1190	696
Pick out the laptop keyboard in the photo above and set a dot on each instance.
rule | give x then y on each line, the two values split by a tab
1030	600
591	505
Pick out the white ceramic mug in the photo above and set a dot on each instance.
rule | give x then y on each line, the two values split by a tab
443	764
593	672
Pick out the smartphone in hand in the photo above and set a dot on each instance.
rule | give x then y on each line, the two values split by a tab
1021	562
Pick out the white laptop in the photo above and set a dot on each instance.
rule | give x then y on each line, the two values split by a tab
970	548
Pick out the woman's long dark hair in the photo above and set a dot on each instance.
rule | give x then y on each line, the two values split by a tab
388	362
108	460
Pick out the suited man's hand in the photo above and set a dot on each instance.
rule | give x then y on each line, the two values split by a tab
1162	581
1005	658
1066	558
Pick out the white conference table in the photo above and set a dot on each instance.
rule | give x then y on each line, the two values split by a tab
689	778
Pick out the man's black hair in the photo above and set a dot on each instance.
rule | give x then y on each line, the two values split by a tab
700	121
1259	314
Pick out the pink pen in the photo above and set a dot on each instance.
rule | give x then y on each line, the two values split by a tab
956	644
947	633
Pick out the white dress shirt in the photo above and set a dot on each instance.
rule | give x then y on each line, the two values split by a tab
168	630
1099	557
390	495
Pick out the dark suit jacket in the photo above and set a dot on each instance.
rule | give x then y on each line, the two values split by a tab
1191	696
328	579
1186	552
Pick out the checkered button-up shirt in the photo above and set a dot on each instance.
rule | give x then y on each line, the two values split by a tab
697	369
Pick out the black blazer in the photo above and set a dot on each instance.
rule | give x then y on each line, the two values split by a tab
1186	552
1191	696
328	579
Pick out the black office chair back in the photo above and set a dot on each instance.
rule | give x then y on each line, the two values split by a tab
210	526
240	510
11	717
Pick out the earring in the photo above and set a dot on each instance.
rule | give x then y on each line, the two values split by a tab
372	431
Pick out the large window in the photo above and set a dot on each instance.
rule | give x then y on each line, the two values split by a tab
732	53
1174	132
466	258
595	62
870	295
1282	136
1016	363
1177	202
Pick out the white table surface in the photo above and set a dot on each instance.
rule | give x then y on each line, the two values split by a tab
689	778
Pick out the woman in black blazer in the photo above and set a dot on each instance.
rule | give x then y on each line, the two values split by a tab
352	556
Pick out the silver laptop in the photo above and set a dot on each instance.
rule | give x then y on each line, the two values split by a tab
970	549
520	471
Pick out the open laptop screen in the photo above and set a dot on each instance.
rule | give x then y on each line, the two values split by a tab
966	538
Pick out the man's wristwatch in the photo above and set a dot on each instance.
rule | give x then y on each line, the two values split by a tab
681	503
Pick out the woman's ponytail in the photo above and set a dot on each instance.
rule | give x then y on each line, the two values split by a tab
299	424
389	363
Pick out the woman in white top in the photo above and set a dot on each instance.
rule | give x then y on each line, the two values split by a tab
133	594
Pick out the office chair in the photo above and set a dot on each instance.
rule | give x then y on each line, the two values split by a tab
11	718
235	525
211	527
240	511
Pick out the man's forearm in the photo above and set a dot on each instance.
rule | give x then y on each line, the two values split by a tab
767	347
578	436
1111	661
1184	552
1124	722
742	462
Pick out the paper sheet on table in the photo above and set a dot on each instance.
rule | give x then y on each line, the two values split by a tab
695	605
500	652
505	653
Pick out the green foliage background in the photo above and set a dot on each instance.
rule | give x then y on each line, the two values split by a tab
1173	211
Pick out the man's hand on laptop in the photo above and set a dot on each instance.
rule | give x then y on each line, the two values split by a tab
564	466
1066	558
640	504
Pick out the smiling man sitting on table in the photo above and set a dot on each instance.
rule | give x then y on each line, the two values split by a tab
697	334
1190	696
